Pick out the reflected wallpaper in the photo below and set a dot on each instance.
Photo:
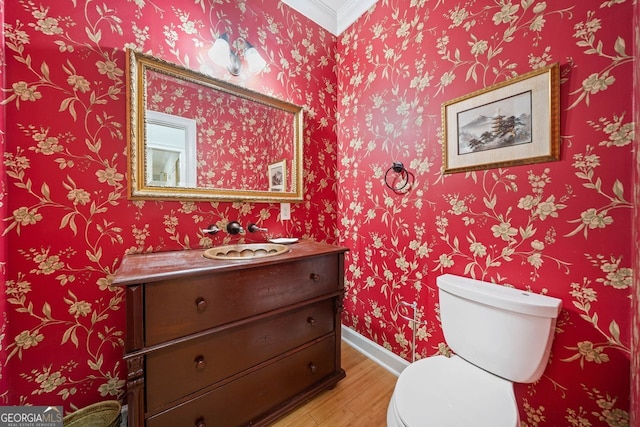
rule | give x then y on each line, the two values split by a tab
371	96
236	138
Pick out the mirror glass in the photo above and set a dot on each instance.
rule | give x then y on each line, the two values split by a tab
195	137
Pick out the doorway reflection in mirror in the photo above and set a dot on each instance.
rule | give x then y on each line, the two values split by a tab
170	150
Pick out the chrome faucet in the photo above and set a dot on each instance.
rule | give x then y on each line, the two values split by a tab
213	229
234	227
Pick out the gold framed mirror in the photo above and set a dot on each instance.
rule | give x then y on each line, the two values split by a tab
194	137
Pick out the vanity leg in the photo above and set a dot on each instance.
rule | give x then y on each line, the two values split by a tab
135	391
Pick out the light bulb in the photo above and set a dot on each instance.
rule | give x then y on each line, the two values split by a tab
220	51
255	61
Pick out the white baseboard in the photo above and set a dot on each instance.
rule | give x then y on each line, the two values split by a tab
380	355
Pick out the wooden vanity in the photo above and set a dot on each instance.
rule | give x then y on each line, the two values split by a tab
230	342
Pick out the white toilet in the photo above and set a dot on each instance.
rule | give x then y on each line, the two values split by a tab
500	335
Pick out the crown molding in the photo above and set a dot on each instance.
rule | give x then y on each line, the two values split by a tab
330	14
350	11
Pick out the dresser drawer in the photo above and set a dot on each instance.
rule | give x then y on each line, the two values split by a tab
179	307
182	369
251	396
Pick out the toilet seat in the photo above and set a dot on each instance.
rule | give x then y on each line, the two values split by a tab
449	391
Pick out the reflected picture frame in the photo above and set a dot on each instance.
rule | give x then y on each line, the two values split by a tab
514	122
277	175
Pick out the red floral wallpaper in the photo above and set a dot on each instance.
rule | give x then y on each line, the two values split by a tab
3	244
371	96
635	322
559	228
68	222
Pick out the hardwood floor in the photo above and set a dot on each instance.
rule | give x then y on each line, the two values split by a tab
360	399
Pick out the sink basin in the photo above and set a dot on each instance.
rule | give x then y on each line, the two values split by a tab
246	251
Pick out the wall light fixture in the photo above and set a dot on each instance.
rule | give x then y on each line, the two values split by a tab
222	54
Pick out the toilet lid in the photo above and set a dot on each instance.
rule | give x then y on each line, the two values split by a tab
441	391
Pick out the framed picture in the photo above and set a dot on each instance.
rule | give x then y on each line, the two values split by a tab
277	175
512	123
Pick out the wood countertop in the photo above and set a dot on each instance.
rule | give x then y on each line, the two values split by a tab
155	266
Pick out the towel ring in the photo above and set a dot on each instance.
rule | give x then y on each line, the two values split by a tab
406	178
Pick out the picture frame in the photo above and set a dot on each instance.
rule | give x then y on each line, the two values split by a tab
514	122
277	175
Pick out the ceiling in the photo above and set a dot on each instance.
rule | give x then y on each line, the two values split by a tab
333	15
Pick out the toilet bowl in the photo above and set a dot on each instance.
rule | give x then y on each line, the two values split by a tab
500	335
430	392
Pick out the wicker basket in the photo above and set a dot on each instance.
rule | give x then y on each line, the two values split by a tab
102	414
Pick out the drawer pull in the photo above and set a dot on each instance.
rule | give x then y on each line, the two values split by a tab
311	321
314	276
200	362
313	368
201	303
200	423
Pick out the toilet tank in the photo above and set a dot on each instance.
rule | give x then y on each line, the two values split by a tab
503	330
